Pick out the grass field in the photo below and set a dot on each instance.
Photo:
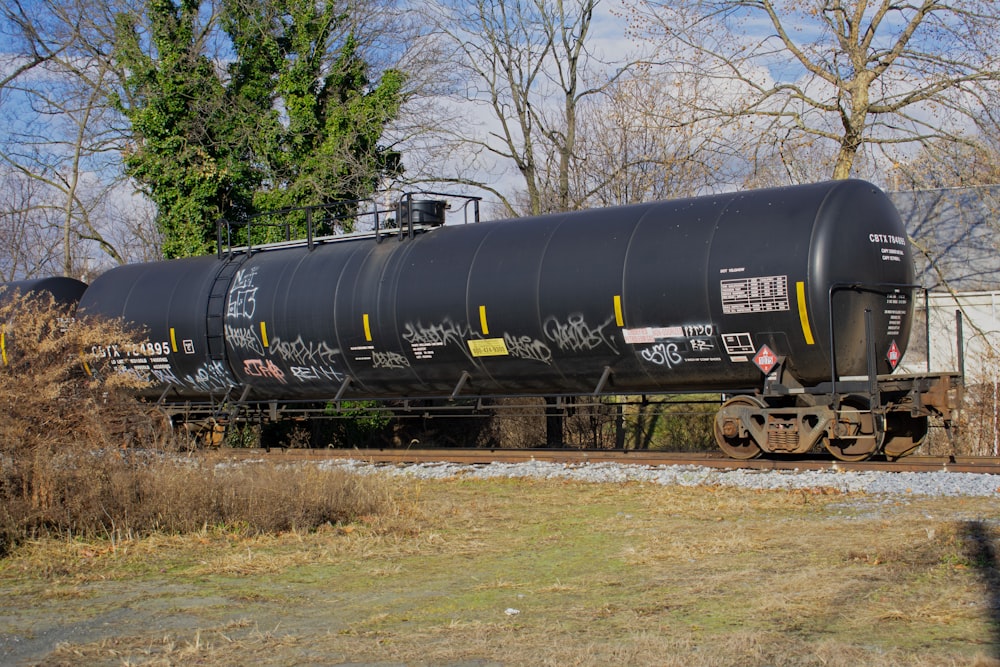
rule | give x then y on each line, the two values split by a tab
519	572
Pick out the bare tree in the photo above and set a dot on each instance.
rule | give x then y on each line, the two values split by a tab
531	65
28	234
847	73
973	162
29	44
640	147
64	135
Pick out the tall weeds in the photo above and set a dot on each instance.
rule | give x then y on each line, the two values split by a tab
80	455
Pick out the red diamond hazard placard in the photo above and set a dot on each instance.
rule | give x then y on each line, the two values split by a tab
765	359
893	356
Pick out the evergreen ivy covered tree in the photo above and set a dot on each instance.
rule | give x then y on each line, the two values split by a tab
293	120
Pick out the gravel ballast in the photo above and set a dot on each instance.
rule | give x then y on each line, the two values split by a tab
909	483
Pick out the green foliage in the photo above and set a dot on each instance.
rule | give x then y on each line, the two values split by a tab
673	425
174	101
360	423
295	121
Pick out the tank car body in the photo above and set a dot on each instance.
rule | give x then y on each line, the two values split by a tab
776	295
65	291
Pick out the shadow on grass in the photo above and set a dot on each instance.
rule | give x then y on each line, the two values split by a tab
982	555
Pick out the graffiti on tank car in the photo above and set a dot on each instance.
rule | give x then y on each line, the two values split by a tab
316	374
389	360
526	347
303	353
705	344
213	376
425	339
165	375
445	333
139	374
575	335
264	368
663	354
242	302
244	338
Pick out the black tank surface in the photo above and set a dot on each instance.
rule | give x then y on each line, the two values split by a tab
166	304
65	291
661	297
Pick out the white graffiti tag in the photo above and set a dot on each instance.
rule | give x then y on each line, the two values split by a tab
243	295
316	374
575	335
663	354
303	353
165	375
445	333
525	347
389	360
244	338
213	376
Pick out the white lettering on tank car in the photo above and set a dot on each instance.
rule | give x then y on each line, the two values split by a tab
887	238
763	294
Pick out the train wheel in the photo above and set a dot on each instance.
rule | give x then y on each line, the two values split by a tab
863	436
727	429
904	434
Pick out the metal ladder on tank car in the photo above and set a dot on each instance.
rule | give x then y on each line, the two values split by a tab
225	410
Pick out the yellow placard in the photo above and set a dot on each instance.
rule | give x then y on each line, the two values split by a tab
488	347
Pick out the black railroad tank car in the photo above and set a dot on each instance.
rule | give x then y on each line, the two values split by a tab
707	293
65	291
669	296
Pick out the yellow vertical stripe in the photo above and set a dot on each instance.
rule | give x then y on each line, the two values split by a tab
368	328
263	333
619	318
482	320
173	339
3	346
800	292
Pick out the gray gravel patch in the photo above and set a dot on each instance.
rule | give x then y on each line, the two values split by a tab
937	483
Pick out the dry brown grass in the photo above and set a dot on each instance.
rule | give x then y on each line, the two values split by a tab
980	427
80	456
598	574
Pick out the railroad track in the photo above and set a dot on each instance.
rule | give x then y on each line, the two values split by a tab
984	464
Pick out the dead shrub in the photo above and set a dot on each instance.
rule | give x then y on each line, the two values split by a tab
180	497
63	432
81	456
980	420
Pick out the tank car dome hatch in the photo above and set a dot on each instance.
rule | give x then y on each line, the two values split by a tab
430	212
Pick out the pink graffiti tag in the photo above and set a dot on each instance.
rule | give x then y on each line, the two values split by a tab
263	368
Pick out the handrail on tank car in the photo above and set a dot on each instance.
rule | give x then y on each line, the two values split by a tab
881	288
224	241
407	200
